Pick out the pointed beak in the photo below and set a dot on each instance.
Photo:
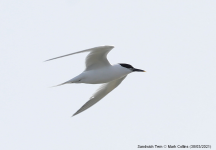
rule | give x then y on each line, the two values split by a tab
139	70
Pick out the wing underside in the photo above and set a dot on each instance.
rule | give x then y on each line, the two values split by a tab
100	93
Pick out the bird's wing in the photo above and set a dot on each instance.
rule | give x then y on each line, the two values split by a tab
96	58
100	93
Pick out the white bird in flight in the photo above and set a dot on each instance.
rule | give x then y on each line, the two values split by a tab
99	70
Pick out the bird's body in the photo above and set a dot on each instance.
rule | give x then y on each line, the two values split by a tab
99	70
101	75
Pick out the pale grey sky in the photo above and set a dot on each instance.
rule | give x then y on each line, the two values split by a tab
172	103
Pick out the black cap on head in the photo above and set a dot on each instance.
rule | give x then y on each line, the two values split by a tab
127	66
131	67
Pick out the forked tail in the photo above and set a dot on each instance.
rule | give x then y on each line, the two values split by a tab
58	85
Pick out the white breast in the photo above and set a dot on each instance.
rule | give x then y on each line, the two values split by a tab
105	74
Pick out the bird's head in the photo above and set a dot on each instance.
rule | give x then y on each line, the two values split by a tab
131	68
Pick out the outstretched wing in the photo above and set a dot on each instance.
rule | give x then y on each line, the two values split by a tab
96	58
100	93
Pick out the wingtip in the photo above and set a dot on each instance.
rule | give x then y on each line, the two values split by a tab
74	114
48	60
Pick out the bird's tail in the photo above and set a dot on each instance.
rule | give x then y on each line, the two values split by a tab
58	85
67	82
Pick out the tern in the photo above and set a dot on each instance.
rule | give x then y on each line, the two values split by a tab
99	71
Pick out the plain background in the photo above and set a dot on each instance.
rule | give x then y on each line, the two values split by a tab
172	103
